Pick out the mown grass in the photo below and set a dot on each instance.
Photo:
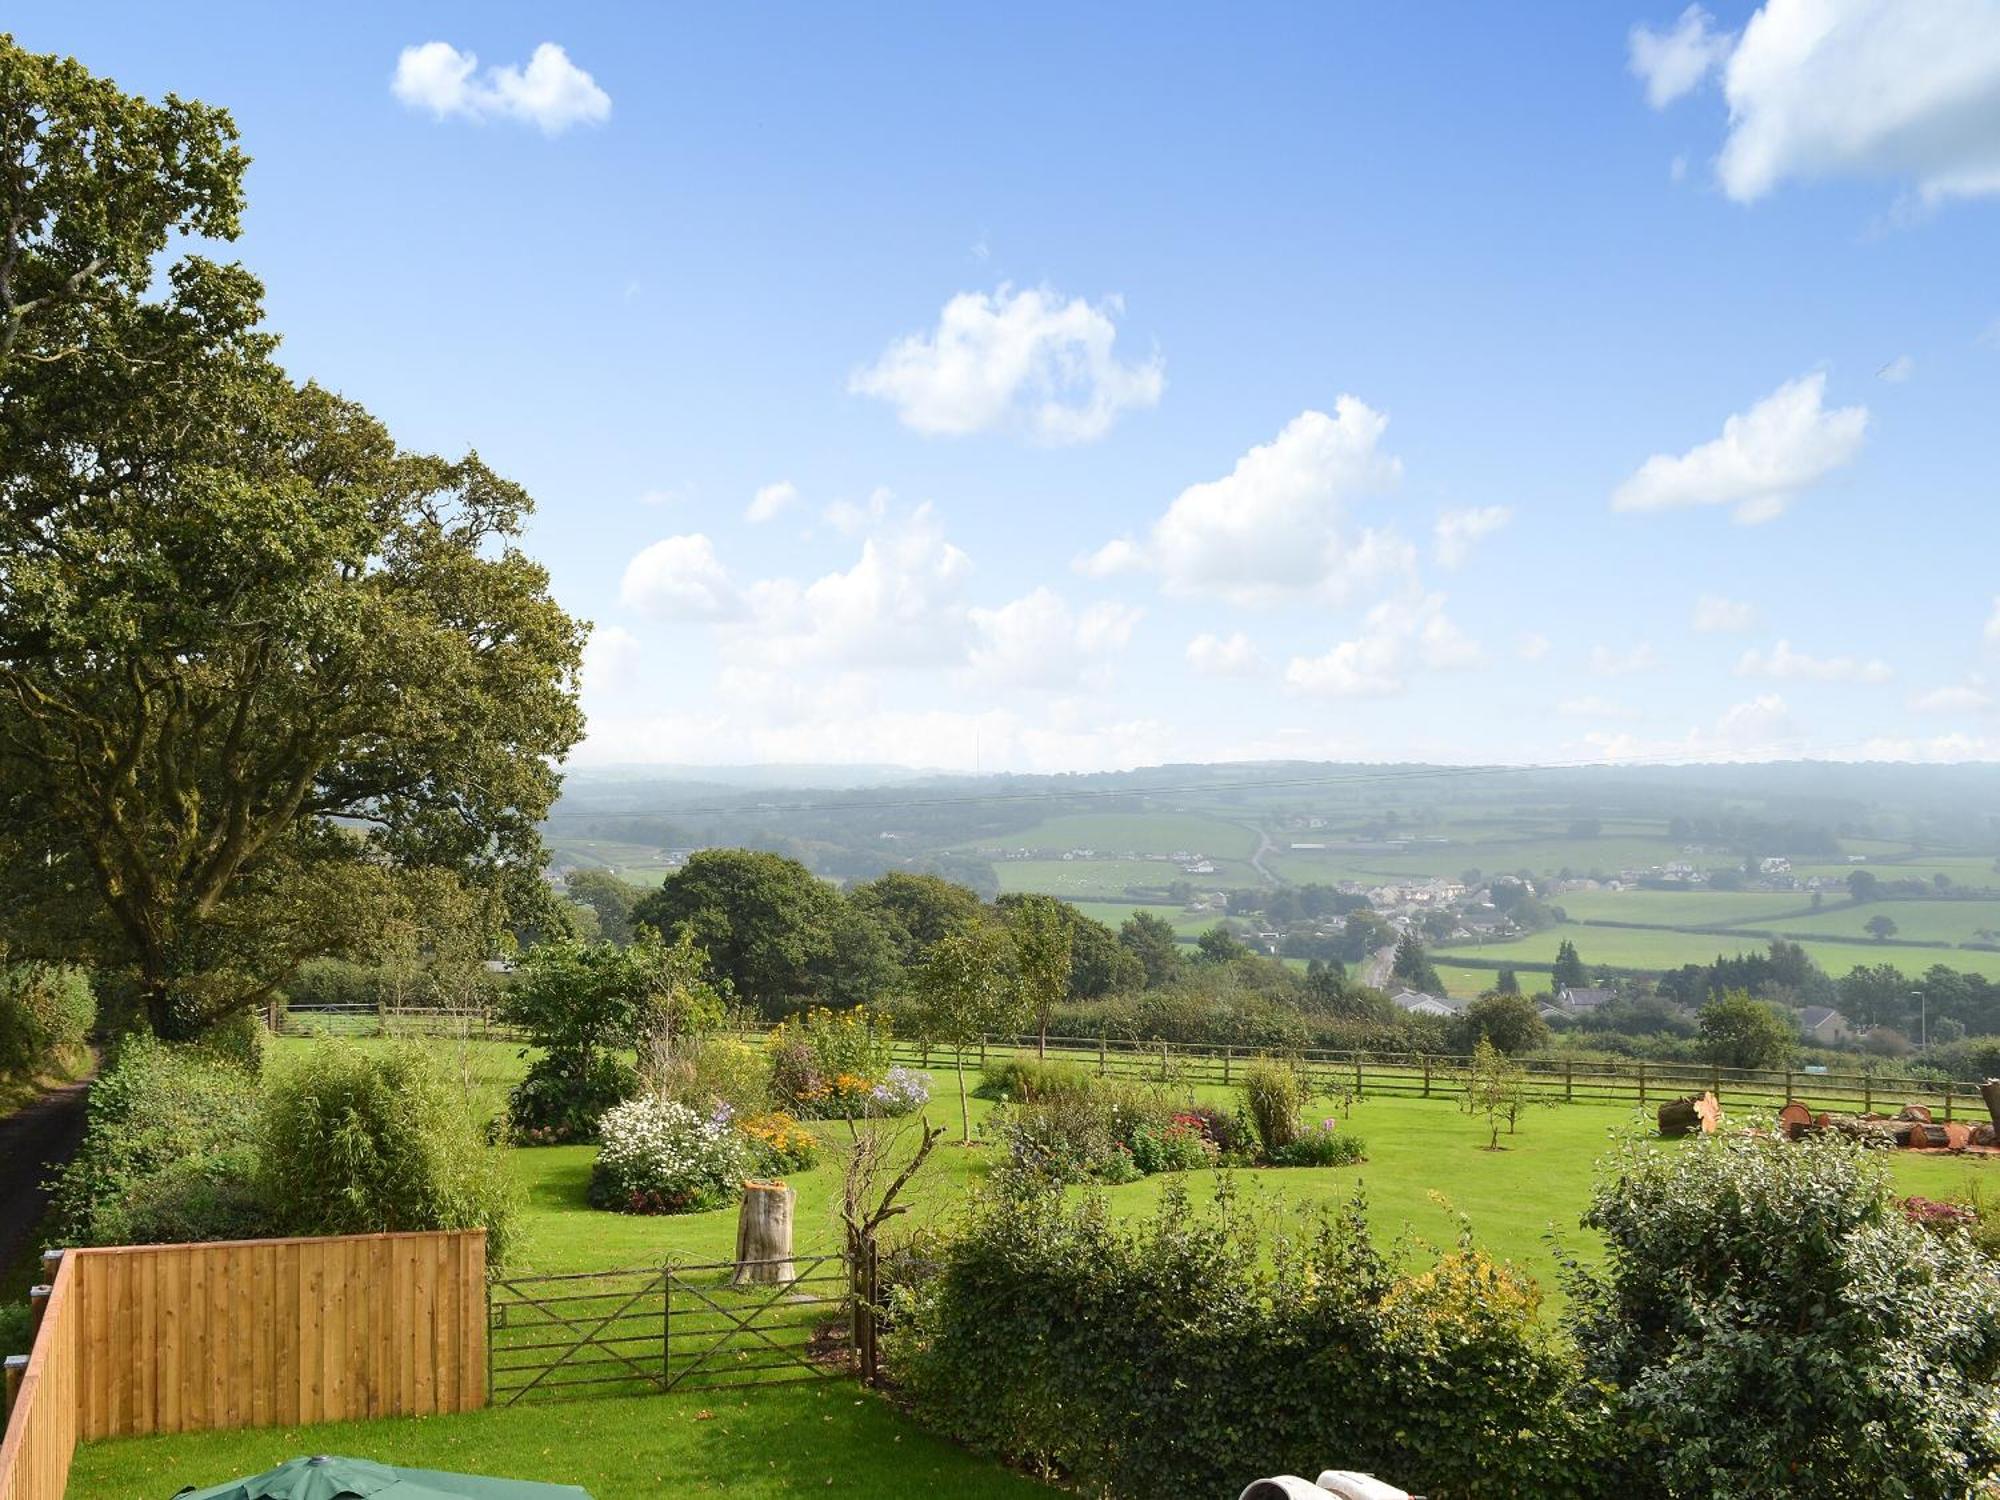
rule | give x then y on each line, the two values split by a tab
1659	948
819	1439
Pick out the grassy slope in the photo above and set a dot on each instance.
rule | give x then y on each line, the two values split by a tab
1628	948
1133	833
830	1439
1107	879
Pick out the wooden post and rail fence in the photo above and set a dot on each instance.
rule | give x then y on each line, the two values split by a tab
251	1333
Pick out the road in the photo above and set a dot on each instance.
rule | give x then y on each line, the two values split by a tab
1264	847
1375	973
33	1141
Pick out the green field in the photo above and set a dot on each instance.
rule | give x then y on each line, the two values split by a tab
642	864
1134	833
1680	908
1113	914
1104	879
1655	949
1926	921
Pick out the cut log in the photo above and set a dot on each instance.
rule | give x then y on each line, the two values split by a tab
764	1236
1679	1117
1986	1135
1925	1136
1990	1092
1914	1112
1957	1135
1795	1119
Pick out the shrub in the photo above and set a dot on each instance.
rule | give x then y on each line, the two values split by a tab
157	1108
660	1157
778	1143
1179	1355
362	1142
825	1063
563	1095
209	1197
239	1038
1275	1093
45	1012
717	1071
1032	1078
1326	1145
1776	1327
902	1091
1073	1134
1178	1146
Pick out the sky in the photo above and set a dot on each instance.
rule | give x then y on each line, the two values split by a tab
1048	388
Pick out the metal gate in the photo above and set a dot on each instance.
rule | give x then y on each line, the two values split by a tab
666	1328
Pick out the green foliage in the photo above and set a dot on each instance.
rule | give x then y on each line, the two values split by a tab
1413	967
1041	929
158	1109
1076	1134
1275	1092
611	899
260	669
917	912
1777	1330
1180	1355
359	1142
1151	941
46	1011
1032	1078
1323	1145
1509	1022
766	922
718	1072
964	990
1738	1031
561	1097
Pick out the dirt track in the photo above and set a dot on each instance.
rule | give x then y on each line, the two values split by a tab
33	1141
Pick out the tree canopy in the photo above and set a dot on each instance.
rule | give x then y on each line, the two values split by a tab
256	661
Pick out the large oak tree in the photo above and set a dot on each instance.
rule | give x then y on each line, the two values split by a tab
259	667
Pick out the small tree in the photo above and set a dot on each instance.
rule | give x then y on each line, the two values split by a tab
1507	983
1041	929
1880	928
1413	966
1740	1031
1509	1022
963	991
1568	971
1496	1089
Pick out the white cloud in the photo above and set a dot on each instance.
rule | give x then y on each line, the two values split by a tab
1458	530
1675	61
1224	656
1532	647
1760	728
1606	662
552	92
609	657
850	519
1029	361
1591	706
1398	636
769	501
1782	662
1714	615
1957	697
1944	748
1119	555
1276	527
1882	88
680	578
1039	641
900	605
1760	724
1763	459
1898	370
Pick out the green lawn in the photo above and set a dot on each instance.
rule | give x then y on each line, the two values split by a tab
818	1439
1680	908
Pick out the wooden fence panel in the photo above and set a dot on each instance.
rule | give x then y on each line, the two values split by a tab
42	1428
191	1338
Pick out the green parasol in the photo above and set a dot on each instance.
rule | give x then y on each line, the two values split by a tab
325	1478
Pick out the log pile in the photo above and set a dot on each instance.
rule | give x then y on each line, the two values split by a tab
1911	1128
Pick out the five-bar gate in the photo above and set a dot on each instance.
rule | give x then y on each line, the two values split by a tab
666	1328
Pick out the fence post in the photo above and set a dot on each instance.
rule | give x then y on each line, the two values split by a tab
1229	1052
871	1361
982	1052
17	1370
1100	1057
1788	1085
1569	1080
1163	1062
1868	1093
38	1304
1947	1101
1357	1075
1715	1081
1427	1075
1642	1083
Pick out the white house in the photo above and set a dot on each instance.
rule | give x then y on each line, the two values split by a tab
1822	1023
1417	1003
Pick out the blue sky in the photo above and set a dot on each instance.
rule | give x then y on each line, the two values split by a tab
1260	296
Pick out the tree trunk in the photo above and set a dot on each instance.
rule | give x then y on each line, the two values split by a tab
1679	1117
1990	1092
764	1236
964	1109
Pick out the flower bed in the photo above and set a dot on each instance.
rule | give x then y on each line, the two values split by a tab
659	1157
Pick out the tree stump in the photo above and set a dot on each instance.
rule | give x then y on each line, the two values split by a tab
1990	1092
764	1236
1795	1119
